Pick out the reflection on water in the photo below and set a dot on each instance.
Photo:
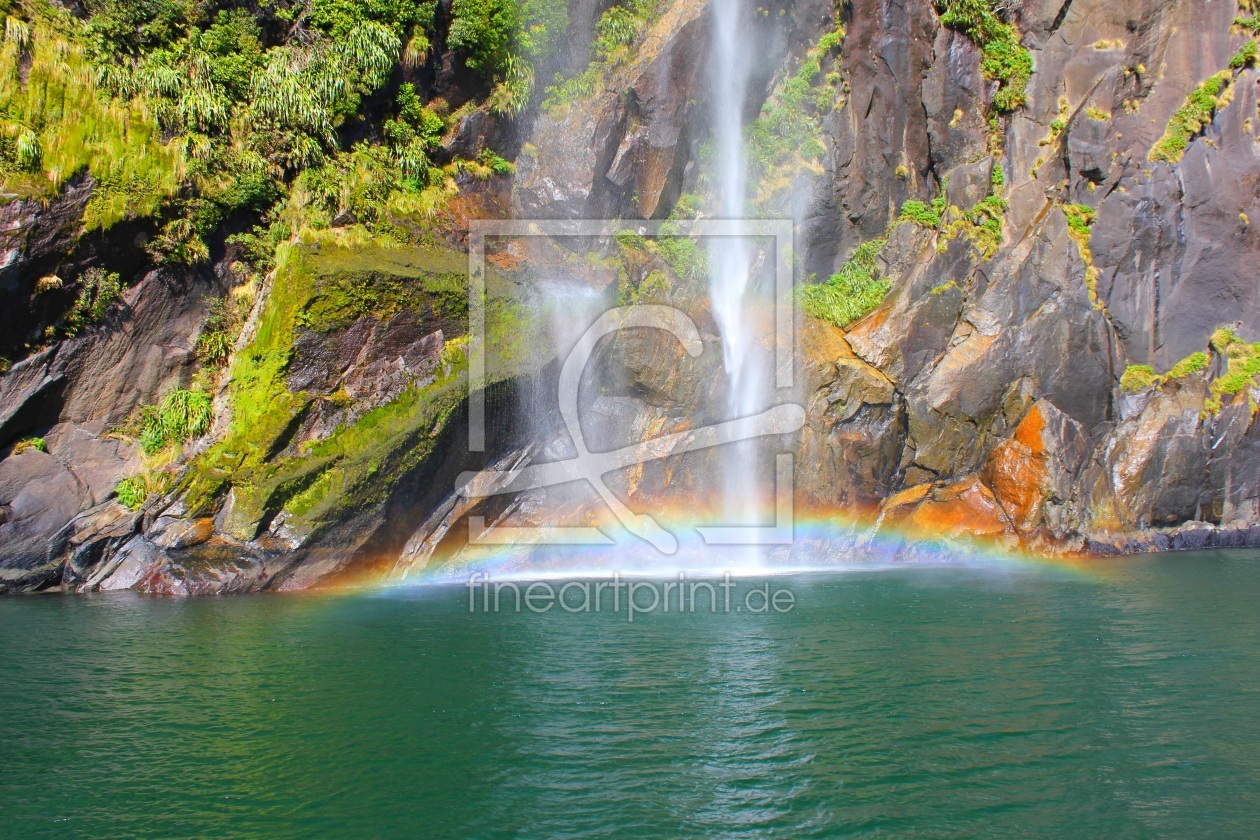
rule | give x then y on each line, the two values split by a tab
920	702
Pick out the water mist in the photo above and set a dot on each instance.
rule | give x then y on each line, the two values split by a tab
730	258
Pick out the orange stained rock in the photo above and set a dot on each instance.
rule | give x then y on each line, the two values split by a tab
964	508
1028	432
1016	473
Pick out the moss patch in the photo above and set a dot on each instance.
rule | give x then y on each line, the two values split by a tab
1242	368
1189	120
325	287
1138	377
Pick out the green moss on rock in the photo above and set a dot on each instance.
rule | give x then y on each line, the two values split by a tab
1138	377
1189	120
325	288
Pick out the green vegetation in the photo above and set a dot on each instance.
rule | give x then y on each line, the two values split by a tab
1245	57
31	443
615	33
344	298
682	254
291	121
920	214
98	291
1189	120
325	288
785	139
131	492
1242	369
1004	59
504	39
981	225
1080	219
649	269
55	122
1138	377
247	116
1097	114
1192	364
852	292
219	330
181	416
944	287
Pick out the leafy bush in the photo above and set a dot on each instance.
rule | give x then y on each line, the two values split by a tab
491	32
180	416
339	17
852	292
920	214
132	26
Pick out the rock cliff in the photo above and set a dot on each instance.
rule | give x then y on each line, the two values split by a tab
1054	200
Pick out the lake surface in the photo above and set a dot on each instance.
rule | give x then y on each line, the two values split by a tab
1117	700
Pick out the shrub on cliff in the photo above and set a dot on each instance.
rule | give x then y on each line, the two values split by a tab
852	292
1004	59
1190	119
181	416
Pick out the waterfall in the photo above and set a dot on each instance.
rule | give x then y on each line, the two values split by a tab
730	257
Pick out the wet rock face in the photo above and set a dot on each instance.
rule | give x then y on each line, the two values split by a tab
72	395
145	344
622	152
35	236
1006	365
368	365
628	151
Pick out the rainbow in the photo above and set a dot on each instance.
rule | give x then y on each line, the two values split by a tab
823	543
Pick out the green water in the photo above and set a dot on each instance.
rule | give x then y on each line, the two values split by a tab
1123	702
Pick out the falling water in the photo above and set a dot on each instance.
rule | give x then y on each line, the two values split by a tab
730	257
